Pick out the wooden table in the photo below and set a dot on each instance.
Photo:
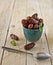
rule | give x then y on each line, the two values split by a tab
11	14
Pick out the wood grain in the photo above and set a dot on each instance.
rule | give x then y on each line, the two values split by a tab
22	9
5	15
19	12
46	8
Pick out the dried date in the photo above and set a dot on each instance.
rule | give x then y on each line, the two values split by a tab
25	23
29	46
36	26
35	16
30	26
40	21
30	20
13	36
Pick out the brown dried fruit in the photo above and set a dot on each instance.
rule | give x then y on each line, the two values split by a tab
40	21
36	26
30	26
13	36
29	17
29	46
30	20
35	16
25	23
36	21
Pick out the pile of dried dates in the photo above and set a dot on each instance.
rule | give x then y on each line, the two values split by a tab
32	22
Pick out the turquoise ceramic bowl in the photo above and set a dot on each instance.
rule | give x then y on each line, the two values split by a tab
32	35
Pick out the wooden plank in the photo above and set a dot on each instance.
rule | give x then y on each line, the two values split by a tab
19	12
46	10
5	15
32	7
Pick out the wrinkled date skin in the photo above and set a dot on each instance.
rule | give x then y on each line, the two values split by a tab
40	21
29	46
36	26
13	36
32	22
35	16
25	23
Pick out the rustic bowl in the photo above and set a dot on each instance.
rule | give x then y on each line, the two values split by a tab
32	35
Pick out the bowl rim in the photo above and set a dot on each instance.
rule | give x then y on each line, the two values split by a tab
32	29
